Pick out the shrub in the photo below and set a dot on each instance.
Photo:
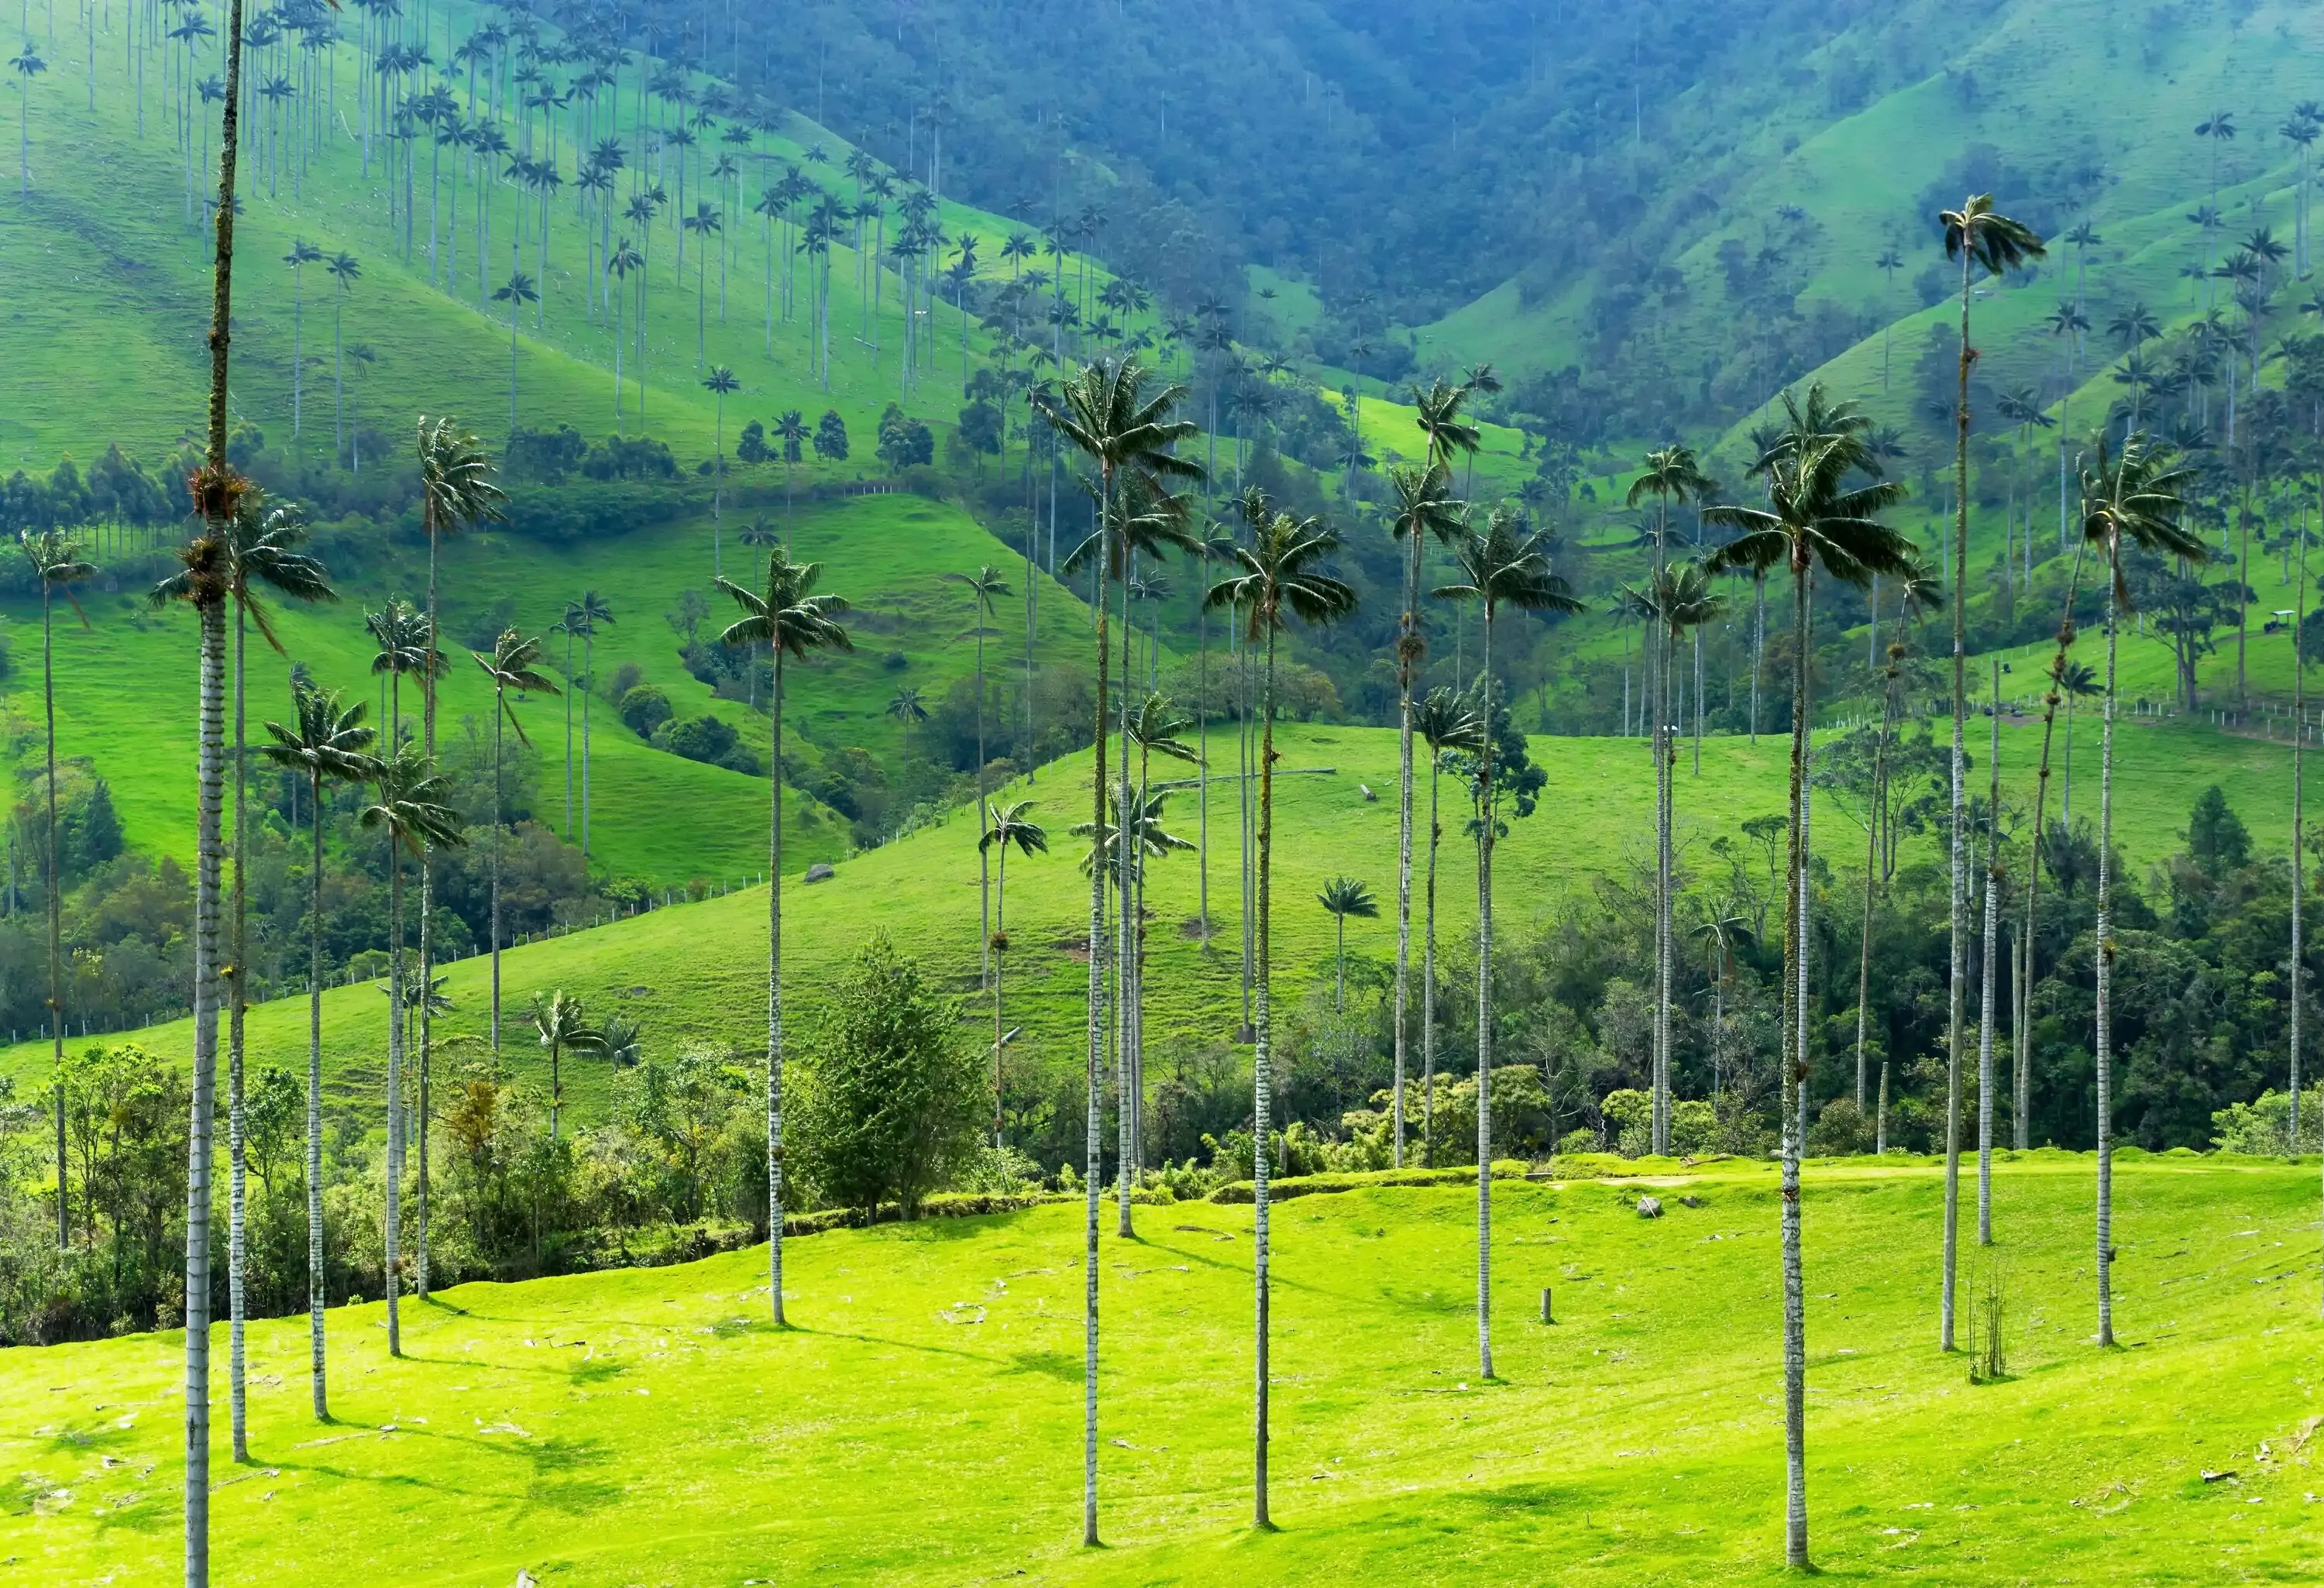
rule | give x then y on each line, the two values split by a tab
2264	1128
1840	1131
710	739
645	708
831	436
888	1102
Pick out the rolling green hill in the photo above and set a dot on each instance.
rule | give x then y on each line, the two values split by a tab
124	682
920	1421
685	972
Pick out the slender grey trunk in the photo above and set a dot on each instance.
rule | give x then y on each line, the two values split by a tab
1993	880
1485	1020
1794	1101
1957	978
1093	1180
2024	1057
315	1299
774	978
2105	944
54	881
395	1058
211	612
2298	756
1408	651
1262	1097
1428	986
235	976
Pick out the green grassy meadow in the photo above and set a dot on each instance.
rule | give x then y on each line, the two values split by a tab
921	1420
686	972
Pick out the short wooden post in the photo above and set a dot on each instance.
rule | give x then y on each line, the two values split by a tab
1545	1317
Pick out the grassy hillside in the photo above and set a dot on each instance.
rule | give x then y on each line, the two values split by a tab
125	684
685	970
920	1422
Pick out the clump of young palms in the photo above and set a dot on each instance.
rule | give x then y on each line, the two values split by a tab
1124	424
561	1023
326	743
2137	495
410	811
1823	505
56	567
515	663
789	619
1281	573
1503	564
1982	239
1006	827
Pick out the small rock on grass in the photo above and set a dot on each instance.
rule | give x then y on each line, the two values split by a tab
1650	1207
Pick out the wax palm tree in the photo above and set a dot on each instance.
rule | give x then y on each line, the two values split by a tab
1343	897
327	742
1127	430
1448	728
515	663
1280	574
791	430
346	270
1155	727
719	383
1501	565
620	262
56	567
262	548
1208	545
2076	680
216	491
409	809
204	582
1816	516
1921	592
1675	600
516	292
585	615
399	633
705	224
28	65
561	1024
1424	506
619	1042
905	705
789	620
2138	496
1007	827
302	254
1983	240
985	587
1889	263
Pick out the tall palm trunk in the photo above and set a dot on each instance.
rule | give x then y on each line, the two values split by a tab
2023	1060
983	858
1992	880
2104	940
588	690
1794	1095
1956	980
208	850
1428	984
1408	656
54	881
395	1060
1092	1181
1871	876
209	741
499	799
435	529
1485	1015
1666	764
2298	756
315	1300
774	975
999	929
1262	1098
237	995
1125	1107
